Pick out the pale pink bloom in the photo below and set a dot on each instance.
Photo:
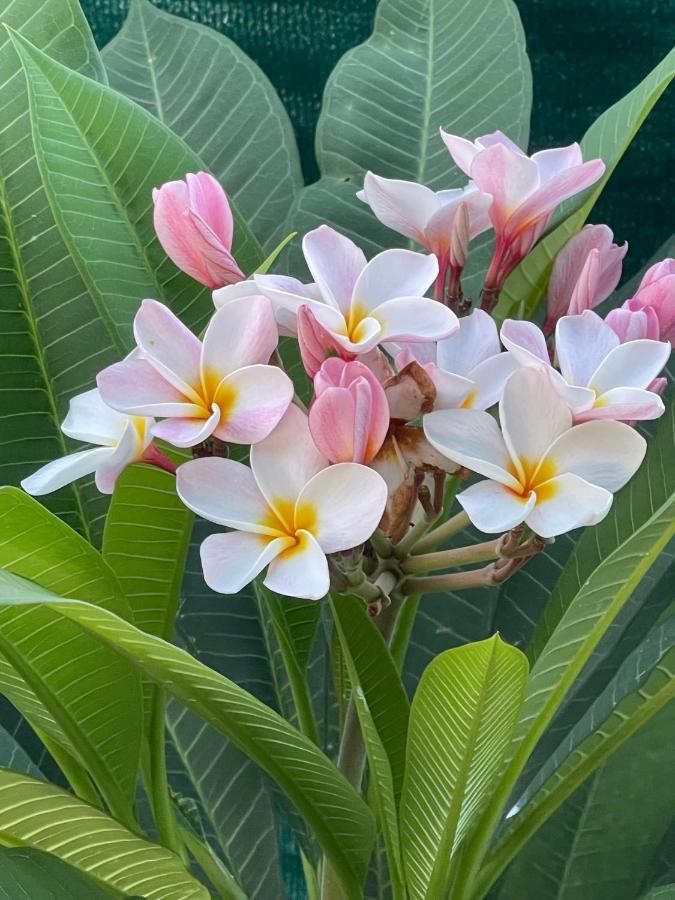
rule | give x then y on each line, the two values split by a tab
288	510
122	440
585	273
316	342
349	417
467	369
194	224
525	189
542	471
220	387
657	292
360	303
634	325
600	378
442	221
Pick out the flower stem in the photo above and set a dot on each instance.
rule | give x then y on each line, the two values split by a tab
451	581
154	456
447	530
445	559
162	808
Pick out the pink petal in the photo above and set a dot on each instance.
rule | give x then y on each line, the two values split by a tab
636	325
188	432
509	177
208	200
526	342
626	404
243	333
462	151
554	160
137	388
170	346
252	401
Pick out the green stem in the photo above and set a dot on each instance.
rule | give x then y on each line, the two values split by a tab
407	543
447	530
77	776
403	628
446	559
217	874
451	581
157	780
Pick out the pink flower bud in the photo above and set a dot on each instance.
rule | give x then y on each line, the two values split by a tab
316	343
349	417
194	224
585	273
657	292
634	325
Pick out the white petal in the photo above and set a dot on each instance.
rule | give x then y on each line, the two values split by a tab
364	338
287	297
231	561
472	439
626	405
285	461
567	502
606	454
348	501
555	160
135	386
188	432
262	395
526	341
91	420
476	340
581	343
170	346
129	450
224	295
301	571
415	319
451	390
335	263
489	380
404	206
533	415
62	471
634	364
394	273
244	334
493	508
225	492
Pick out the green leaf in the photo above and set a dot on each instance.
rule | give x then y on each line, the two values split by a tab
382	707
13	756
200	84
52	340
662	892
608	138
33	875
461	721
338	816
65	684
43	817
456	64
644	684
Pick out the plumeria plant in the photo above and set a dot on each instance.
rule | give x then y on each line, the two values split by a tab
351	572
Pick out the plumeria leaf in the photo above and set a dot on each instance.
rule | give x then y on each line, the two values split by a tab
41	876
211	94
13	756
608	137
40	816
267	263
461	721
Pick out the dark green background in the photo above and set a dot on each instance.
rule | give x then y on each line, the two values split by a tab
585	55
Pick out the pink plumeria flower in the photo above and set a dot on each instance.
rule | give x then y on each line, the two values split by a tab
349	417
194	224
599	377
442	221
541	470
289	509
316	342
361	304
585	273
220	387
634	325
657	293
525	189
467	369
122	440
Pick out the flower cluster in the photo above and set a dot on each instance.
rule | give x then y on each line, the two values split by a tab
407	389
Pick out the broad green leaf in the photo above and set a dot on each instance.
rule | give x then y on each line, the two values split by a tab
34	875
382	708
65	684
456	64
43	817
200	84
340	819
52	339
461	721
644	684
662	892
13	756
608	138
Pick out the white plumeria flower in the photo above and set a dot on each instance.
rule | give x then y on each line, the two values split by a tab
600	377
360	303
221	386
289	509
122	440
542	471
468	369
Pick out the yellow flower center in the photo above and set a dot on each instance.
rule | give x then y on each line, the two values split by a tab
291	521
537	478
355	328
219	390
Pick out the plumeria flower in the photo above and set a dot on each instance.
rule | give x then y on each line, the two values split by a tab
585	273
442	221
220	387
121	440
288	510
316	343
600	378
349	417
656	294
525	189
361	304
541	470
634	325
194	224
